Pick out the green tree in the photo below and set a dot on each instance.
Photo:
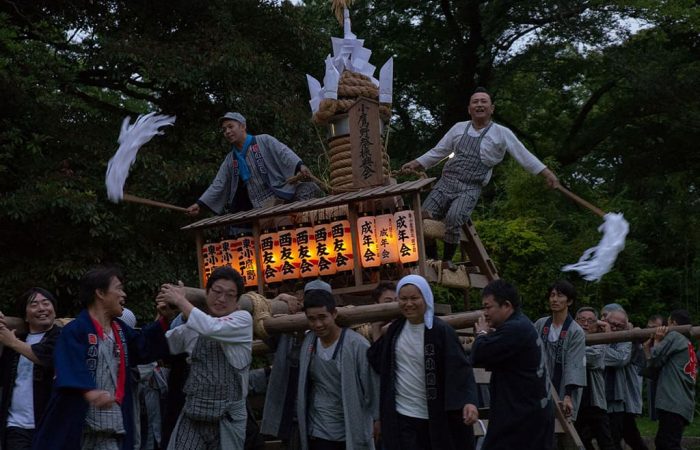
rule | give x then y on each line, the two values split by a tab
69	75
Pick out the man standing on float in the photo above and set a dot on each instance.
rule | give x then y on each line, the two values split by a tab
478	145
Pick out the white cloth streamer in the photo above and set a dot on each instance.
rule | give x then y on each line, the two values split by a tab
131	139
597	261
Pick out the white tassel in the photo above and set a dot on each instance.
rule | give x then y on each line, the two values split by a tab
597	261
131	138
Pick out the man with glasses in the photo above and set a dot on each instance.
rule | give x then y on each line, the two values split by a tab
593	422
623	382
220	348
254	173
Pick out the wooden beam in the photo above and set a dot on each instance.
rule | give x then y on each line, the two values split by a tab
636	334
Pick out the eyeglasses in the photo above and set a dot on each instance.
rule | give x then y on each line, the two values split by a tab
617	326
588	321
228	295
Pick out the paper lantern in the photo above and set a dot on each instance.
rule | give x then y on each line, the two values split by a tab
270	256
248	268
324	248
406	236
386	238
367	241
211	255
306	250
288	253
342	244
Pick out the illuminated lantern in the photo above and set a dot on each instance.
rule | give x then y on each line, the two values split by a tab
367	237
288	253
386	238
211	254
246	259
270	256
342	244
306	250
229	254
407	241
324	248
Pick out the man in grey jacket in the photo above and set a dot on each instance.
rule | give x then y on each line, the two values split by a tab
338	393
593	421
254	173
564	347
672	361
623	384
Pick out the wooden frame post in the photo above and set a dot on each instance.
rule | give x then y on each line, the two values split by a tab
418	215
199	242
357	262
258	257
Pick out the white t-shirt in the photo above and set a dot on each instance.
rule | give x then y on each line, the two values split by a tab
325	353
410	372
21	412
554	332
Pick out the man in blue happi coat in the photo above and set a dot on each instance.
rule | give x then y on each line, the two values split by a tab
91	406
254	173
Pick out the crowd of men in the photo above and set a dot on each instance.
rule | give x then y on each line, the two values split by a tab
409	385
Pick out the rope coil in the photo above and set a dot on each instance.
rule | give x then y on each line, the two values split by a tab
261	311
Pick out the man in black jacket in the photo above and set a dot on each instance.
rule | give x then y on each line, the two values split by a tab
507	345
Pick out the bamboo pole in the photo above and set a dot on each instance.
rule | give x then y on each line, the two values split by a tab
636	334
581	201
145	201
282	322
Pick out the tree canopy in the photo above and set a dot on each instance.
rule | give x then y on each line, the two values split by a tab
603	92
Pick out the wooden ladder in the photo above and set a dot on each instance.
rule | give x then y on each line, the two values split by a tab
563	428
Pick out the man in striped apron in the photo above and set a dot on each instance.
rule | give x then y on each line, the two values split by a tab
474	148
219	345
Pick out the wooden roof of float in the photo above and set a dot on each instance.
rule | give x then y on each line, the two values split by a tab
309	205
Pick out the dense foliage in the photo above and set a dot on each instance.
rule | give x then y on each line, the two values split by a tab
605	92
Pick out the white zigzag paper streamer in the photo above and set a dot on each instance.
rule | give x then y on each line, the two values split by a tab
597	261
131	139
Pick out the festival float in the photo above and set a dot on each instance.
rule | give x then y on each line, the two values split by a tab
369	227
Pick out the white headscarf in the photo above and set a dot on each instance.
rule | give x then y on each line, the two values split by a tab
423	286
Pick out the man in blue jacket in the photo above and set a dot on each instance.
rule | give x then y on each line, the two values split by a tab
91	406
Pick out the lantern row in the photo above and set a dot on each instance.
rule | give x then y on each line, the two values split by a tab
317	250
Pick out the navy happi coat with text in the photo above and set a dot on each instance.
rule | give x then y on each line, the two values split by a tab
75	360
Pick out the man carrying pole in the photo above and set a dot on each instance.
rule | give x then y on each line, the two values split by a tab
522	414
672	361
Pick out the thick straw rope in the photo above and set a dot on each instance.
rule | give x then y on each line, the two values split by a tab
261	311
350	86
